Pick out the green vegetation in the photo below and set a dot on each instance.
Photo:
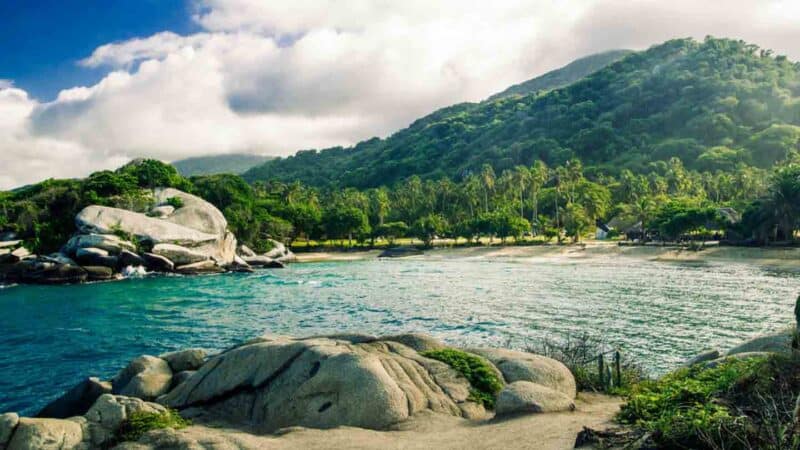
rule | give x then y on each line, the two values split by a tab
175	202
212	165
140	422
715	105
564	76
486	384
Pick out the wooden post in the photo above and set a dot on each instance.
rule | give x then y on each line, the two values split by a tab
601	371
617	369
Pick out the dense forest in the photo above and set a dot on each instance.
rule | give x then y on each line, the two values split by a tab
714	104
687	139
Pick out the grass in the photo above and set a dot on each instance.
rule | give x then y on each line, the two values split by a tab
140	422
481	375
302	245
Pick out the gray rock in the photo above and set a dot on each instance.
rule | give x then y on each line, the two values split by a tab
190	359
146	377
157	263
7	244
246	251
778	342
162	211
90	256
353	338
99	273
263	261
8	422
180	377
322	383
239	265
400	252
46	434
524	366
108	242
195	213
96	219
77	400
127	258
419	342
37	271
199	268
706	355
527	397
179	255
109	411
278	250
90	252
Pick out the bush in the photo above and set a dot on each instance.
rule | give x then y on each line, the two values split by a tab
683	409
483	377
175	202
140	422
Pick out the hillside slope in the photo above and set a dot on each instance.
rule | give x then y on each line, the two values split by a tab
714	104
564	76
210	165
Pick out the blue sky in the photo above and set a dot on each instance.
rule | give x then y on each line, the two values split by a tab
42	40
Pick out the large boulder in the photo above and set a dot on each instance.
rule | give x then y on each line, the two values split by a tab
195	213
263	261
107	220
91	256
77	400
273	383
190	359
179	255
200	268
776	343
419	342
146	377
127	258
107	242
524	366
527	397
8	422
46	434
157	263
109	411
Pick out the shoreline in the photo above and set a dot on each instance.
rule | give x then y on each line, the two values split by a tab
782	257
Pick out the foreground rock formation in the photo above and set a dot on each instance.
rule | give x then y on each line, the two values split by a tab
190	238
274	382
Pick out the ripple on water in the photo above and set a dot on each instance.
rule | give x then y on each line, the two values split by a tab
658	313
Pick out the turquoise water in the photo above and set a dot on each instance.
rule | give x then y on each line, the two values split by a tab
660	313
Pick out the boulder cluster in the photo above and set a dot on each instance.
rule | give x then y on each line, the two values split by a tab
274	382
180	233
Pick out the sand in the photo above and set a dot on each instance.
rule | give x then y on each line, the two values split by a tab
552	431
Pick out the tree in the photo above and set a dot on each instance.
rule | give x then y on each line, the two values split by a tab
345	221
428	227
576	221
391	231
538	176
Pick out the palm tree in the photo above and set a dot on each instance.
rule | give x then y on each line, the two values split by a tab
488	179
520	177
537	178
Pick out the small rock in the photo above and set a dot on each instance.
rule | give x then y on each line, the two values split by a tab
146	377
99	273
92	256
419	342
198	268
524	366
400	252
706	355
179	255
127	258
77	400
21	252
108	413
263	261
524	396
8	422
182	360
46	434
246	251
158	263
108	242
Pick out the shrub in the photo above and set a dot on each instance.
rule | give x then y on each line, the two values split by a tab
480	374
140	422
175	202
683	408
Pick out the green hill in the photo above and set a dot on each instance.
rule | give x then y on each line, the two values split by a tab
714	104
210	165
564	76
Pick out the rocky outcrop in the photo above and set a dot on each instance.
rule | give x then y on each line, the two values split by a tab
145	377
274	382
527	397
77	400
524	366
776	343
179	255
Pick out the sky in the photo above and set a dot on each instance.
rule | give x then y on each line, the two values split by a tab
89	85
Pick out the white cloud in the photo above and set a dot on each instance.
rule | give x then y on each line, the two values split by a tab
275	77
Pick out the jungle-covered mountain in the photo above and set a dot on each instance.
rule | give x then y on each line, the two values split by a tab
209	165
714	104
564	76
